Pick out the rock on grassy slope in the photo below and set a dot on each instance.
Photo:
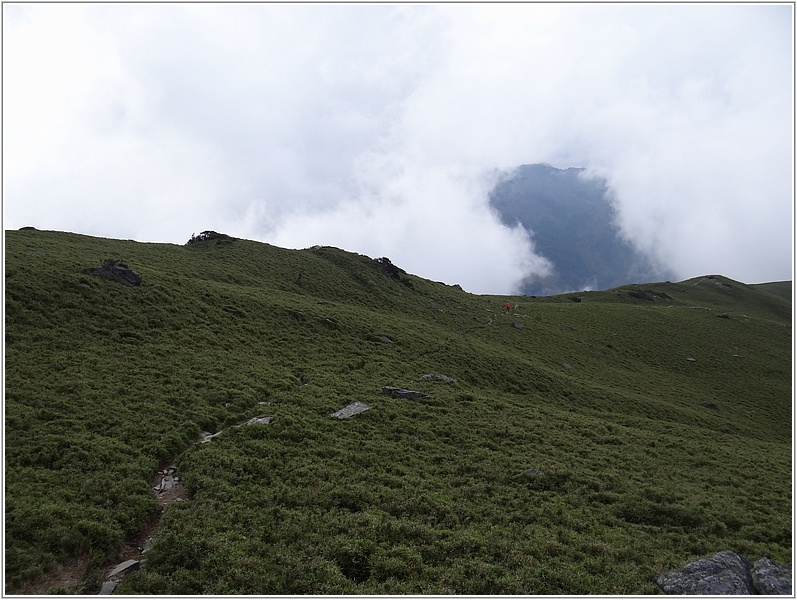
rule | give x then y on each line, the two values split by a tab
602	443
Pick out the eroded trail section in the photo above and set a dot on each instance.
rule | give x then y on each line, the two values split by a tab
168	489
70	575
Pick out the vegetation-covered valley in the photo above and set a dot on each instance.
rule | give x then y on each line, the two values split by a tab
587	442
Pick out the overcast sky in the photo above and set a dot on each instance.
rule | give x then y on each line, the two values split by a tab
380	128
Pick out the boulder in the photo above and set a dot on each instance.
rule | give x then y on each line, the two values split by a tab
724	573
118	271
770	579
727	573
517	325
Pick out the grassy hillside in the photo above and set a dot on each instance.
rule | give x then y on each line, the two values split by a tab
584	446
779	288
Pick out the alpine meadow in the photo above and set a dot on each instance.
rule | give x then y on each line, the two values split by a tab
580	443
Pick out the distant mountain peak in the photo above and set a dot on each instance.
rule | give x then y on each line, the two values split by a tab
572	222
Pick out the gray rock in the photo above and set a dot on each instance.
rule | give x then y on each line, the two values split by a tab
725	573
262	420
567	366
119	272
437	377
517	325
206	436
350	410
770	579
399	392
384	339
709	404
108	587
122	567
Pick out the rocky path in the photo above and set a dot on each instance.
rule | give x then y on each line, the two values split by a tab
168	489
69	576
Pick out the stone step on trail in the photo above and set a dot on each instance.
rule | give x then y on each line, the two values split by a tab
116	575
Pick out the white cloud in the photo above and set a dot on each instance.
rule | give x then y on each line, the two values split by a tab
427	221
376	128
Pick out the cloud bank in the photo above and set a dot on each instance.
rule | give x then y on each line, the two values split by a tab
381	128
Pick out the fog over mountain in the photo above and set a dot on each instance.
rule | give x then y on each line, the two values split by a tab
150	121
571	220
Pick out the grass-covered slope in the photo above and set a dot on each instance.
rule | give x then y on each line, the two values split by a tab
656	420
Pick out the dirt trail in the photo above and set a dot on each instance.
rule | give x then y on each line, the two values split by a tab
70	575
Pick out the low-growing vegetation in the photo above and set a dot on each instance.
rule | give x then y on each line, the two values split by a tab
582	447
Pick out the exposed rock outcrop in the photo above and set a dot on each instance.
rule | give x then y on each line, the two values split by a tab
392	271
119	271
770	579
649	295
205	236
727	573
